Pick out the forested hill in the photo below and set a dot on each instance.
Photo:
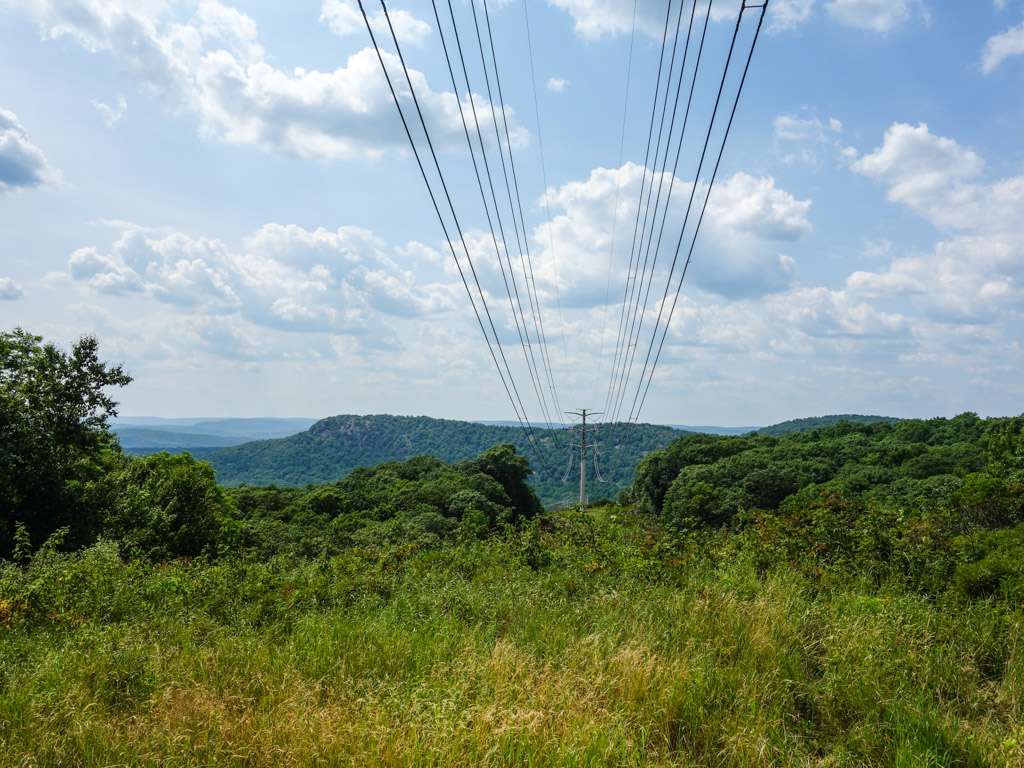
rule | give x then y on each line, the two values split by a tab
335	446
819	422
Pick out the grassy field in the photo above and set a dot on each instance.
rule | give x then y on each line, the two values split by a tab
595	640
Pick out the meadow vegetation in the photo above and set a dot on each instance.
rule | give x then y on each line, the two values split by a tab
846	597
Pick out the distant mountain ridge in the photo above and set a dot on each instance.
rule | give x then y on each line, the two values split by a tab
820	422
145	434
334	446
331	448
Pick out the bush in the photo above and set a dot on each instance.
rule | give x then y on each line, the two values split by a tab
162	507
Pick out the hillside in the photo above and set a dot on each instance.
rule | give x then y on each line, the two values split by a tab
818	422
333	447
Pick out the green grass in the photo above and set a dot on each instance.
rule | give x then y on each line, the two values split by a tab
590	641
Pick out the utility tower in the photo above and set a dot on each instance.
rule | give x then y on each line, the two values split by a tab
582	414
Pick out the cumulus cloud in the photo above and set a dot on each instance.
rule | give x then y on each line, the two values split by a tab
789	14
976	274
344	18
802	138
882	16
955	305
935	176
597	19
112	114
22	164
748	218
214	66
557	84
10	290
1001	47
283	277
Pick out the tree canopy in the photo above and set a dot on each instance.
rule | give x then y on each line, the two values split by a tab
54	414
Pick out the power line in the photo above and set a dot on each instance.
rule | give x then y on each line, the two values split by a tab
636	409
544	173
512	208
638	308
618	182
531	283
642	307
524	343
520	411
636	224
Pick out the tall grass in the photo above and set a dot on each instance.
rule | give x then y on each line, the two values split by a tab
595	642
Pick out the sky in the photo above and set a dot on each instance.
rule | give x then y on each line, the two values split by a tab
223	194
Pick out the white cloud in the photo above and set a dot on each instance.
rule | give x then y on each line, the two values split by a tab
745	204
882	16
792	128
747	218
10	290
597	19
112	114
214	66
557	84
1001	47
934	176
344	18
284	277
799	139
978	273
789	14
22	164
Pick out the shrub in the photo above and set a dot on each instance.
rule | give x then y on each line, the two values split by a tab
163	506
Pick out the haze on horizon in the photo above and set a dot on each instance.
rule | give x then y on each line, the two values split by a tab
222	193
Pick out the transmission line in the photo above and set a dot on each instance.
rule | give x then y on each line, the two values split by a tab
636	224
531	283
534	307
524	343
509	384
544	174
642	307
618	182
636	408
636	314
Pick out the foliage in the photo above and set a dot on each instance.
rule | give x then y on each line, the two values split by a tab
891	502
422	501
847	596
601	639
818	422
163	506
54	412
333	447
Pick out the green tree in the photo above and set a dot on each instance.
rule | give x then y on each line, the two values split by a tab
54	413
163	506
511	470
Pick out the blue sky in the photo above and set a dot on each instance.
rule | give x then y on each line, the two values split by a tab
222	192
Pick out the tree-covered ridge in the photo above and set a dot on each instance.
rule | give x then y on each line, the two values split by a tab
924	502
335	446
423	501
817	422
